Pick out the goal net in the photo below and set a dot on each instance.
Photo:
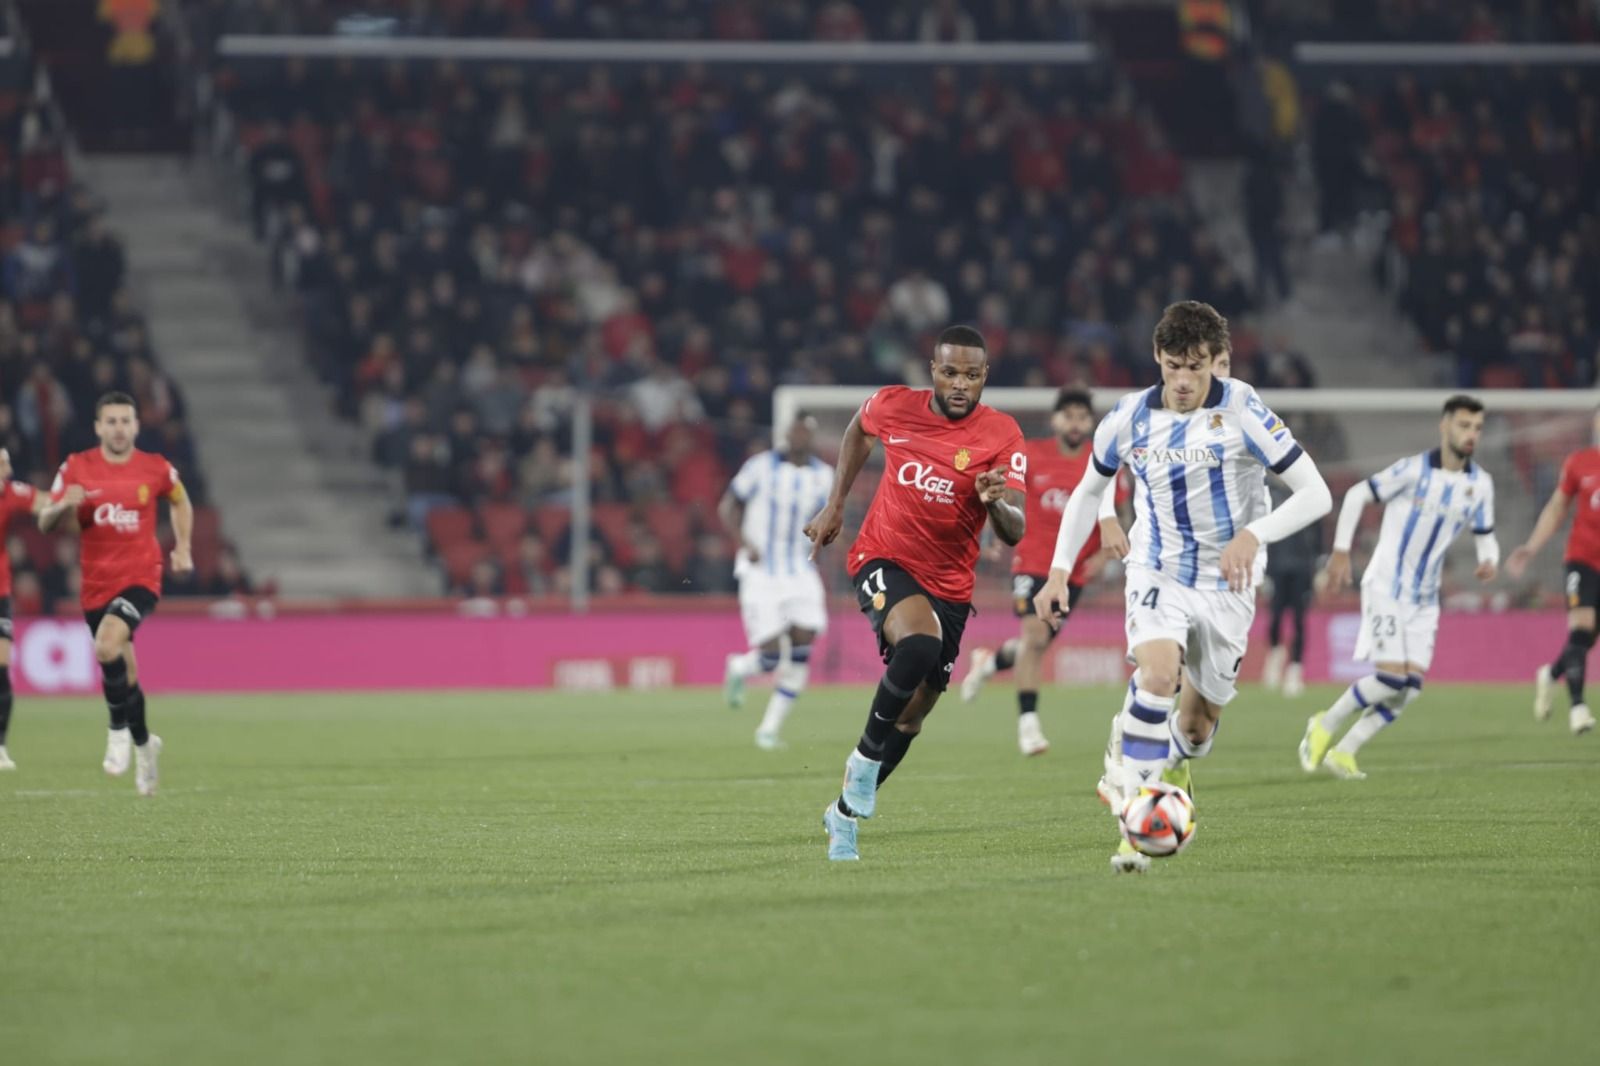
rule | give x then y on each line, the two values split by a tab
1351	433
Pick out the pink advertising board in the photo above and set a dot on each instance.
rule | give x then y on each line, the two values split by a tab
360	651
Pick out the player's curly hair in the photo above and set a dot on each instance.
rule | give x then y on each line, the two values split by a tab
1190	327
961	337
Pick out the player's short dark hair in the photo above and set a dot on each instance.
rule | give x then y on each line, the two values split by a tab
1074	397
962	337
114	399
1189	327
1462	402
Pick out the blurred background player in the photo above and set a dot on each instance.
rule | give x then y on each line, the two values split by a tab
1429	499
781	599
950	464
111	494
1055	466
16	497
1198	446
1291	567
1580	482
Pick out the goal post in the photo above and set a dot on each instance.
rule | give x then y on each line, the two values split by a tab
1351	433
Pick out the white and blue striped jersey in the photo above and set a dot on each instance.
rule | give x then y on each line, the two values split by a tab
1426	508
1199	477
779	498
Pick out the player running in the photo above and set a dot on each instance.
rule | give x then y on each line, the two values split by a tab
949	464
1055	466
1580	482
110	492
1198	447
781	598
1428	500
16	497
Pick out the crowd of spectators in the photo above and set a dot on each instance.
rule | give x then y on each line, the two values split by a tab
471	248
1491	182
1441	21
723	20
69	331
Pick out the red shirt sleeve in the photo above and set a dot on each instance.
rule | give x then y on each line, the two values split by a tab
1124	488
873	410
64	476
1014	453
1569	477
167	481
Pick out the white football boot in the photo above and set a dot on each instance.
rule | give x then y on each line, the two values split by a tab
145	775
1030	738
1580	719
1543	691
980	669
1294	682
5	760
119	752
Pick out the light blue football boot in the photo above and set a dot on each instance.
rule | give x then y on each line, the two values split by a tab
841	835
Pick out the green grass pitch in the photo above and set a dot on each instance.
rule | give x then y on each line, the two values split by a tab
560	878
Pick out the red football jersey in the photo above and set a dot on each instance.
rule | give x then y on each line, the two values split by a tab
16	497
1052	477
926	516
1580	479
118	519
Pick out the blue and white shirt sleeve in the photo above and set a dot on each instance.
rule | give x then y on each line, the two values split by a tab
1394	480
1266	436
1483	514
1110	438
747	482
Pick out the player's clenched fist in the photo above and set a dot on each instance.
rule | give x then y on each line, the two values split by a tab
823	530
991	486
1051	602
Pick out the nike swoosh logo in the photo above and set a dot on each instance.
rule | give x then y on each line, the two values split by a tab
898	440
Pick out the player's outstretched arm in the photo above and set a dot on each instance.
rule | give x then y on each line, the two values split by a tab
730	509
53	516
1309	499
1549	523
1337	573
182	530
823	529
1005	506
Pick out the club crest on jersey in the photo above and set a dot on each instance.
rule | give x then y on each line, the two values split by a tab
1216	422
963	459
144	495
117	517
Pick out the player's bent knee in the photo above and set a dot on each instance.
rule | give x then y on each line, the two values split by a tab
919	652
108	649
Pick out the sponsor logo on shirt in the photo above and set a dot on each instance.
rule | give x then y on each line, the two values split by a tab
117	517
922	477
1055	499
1144	457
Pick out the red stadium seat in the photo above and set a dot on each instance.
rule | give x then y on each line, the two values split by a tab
461	557
551	522
503	524
611	519
448	526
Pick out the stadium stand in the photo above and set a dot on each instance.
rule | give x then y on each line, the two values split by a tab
468	248
1490	180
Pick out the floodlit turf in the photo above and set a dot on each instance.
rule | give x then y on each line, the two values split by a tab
625	879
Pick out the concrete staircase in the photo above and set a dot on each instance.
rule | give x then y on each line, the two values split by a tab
296	490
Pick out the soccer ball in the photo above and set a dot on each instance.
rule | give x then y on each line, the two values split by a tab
1158	820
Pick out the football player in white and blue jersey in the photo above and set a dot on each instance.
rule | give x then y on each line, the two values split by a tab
1198	447
781	598
1429	500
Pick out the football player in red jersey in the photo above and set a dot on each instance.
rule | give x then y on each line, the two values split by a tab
950	464
16	497
110	492
1580	482
1055	466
